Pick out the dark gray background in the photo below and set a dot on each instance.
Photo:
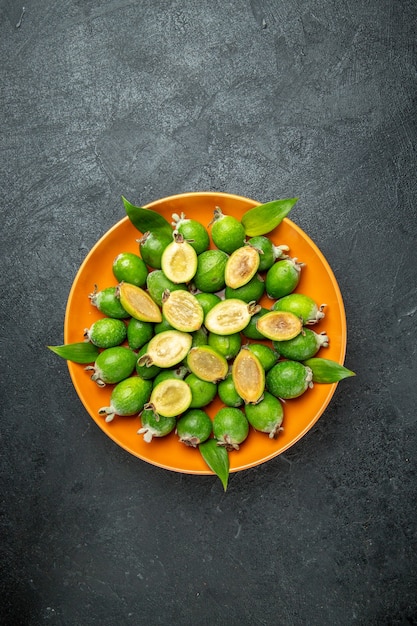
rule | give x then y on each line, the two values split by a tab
263	99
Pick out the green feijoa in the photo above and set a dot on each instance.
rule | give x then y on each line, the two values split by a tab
199	337
227	232
130	268
157	283
302	306
282	278
106	332
194	427
207	301
209	276
227	345
251	291
113	365
288	379
303	346
251	332
127	398
266	416
146	371
108	302
194	232
154	425
227	392
268	252
162	326
139	333
230	427
152	246
266	355
202	391
178	372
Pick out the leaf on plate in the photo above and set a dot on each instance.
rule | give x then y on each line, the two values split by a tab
217	458
146	219
81	352
327	371
265	217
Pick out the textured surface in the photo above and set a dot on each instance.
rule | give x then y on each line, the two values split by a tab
264	99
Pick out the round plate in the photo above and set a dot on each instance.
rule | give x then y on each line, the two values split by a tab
317	281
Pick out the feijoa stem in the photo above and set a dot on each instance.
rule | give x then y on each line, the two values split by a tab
80	352
327	371
217	458
146	219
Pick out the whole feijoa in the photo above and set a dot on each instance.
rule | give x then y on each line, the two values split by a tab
267	415
106	332
108	303
227	232
303	347
127	398
194	427
152	246
288	379
282	278
139	333
129	267
209	276
230	427
113	365
302	306
154	425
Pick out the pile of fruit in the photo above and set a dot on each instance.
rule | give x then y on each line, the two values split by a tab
184	324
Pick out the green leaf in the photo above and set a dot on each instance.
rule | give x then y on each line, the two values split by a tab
217	458
146	219
265	217
82	352
327	371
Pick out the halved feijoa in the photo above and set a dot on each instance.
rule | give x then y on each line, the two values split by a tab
279	325
241	266
248	376
207	364
170	398
166	349
179	260
230	316
182	310
138	303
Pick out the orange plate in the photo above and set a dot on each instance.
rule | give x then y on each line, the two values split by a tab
317	281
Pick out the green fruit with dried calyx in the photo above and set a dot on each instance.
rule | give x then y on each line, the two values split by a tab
265	217
227	345
138	303
302	306
289	379
241	266
130	268
127	398
106	332
139	333
108	303
282	278
248	376
209	276
170	398
166	349
157	283
230	427
179	260
152	246
266	416
146	371
113	365
154	425
207	364
202	391
194	232
230	316
268	252
182	310
253	290
194	427
227	232
304	346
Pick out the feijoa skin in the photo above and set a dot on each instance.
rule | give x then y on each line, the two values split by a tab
282	278
127	398
106	332
227	392
130	268
288	379
202	391
251	331
157	283
139	333
227	232
194	427
266	355
154	425
302	347
268	252
209	276
302	306
267	415
113	365
152	246
143	370
108	303
252	291
230	427
193	231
